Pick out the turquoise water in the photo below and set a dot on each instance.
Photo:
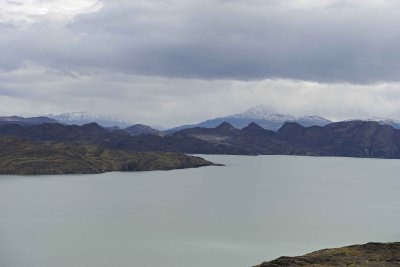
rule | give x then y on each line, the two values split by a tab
254	209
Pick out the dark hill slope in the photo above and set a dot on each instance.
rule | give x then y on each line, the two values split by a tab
140	129
351	139
28	157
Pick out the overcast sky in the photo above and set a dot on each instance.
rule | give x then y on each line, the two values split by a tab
170	62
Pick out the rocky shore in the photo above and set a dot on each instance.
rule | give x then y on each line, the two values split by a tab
368	255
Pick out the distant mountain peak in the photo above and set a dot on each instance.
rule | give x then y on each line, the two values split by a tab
263	115
225	126
84	117
92	125
140	129
290	128
261	112
253	126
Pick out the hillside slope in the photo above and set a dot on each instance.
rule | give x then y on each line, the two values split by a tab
368	255
27	157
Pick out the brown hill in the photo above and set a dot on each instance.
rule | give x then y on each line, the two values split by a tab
368	255
28	157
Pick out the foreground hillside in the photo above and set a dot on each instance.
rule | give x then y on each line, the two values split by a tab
368	255
27	157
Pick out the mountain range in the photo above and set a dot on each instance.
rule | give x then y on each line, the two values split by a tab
262	115
270	119
345	139
81	118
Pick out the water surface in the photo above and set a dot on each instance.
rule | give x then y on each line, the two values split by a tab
254	209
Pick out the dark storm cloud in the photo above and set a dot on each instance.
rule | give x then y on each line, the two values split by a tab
339	41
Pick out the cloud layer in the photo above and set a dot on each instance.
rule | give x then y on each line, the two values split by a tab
336	41
163	61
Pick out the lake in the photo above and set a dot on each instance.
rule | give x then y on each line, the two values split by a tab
253	209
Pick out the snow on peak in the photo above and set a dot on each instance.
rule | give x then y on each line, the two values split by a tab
262	112
70	116
84	117
384	120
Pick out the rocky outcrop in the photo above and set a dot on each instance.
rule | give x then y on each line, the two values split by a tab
368	255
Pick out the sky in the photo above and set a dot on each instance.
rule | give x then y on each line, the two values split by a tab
172	62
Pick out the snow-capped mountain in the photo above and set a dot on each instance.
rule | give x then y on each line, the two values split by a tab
262	112
385	121
263	116
80	118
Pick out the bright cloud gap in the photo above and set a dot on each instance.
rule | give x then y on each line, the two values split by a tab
30	11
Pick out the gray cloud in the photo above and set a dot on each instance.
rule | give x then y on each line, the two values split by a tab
339	41
169	62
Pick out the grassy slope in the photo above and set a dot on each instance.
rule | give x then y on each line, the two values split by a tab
368	255
27	157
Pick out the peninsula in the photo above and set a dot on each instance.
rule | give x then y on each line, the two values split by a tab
31	157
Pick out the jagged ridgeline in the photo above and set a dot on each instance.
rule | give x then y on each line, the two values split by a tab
347	139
